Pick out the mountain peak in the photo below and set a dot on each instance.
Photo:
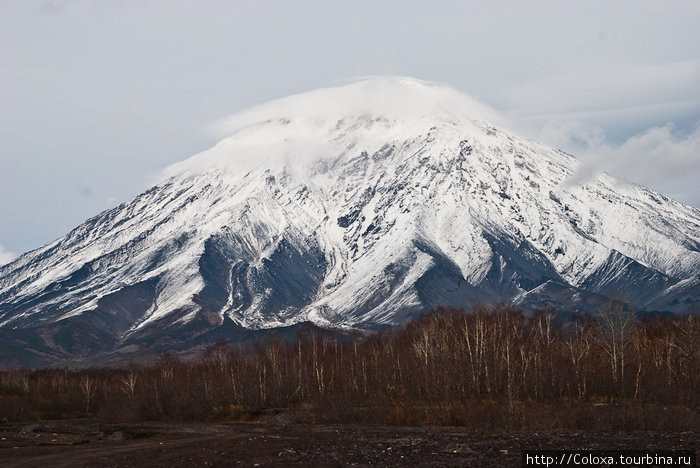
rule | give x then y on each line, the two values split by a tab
309	126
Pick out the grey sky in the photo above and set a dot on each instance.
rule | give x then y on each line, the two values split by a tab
98	96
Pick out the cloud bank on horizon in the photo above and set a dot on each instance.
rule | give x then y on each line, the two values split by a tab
99	97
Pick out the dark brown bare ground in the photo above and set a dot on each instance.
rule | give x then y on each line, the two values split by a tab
90	443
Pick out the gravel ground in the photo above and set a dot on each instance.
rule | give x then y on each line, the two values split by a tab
92	443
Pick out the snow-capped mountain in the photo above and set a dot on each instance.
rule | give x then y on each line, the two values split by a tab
361	205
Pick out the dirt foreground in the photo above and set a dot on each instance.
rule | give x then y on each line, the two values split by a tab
92	443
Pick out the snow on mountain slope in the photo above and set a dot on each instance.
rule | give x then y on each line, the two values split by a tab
358	206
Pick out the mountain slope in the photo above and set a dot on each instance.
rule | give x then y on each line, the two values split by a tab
362	205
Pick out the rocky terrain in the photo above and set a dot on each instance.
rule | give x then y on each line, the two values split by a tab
91	443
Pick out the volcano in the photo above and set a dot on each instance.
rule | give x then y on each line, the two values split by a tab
359	206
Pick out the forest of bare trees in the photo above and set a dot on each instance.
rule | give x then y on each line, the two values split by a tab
486	368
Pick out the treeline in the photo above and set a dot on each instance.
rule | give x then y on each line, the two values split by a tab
487	368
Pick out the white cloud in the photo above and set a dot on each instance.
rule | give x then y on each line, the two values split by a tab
660	157
389	96
658	152
5	256
571	135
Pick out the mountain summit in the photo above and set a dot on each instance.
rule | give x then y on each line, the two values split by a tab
356	206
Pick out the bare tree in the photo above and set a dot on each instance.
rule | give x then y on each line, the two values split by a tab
578	346
615	320
688	344
88	387
128	384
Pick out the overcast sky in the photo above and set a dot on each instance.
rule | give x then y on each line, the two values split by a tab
98	96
